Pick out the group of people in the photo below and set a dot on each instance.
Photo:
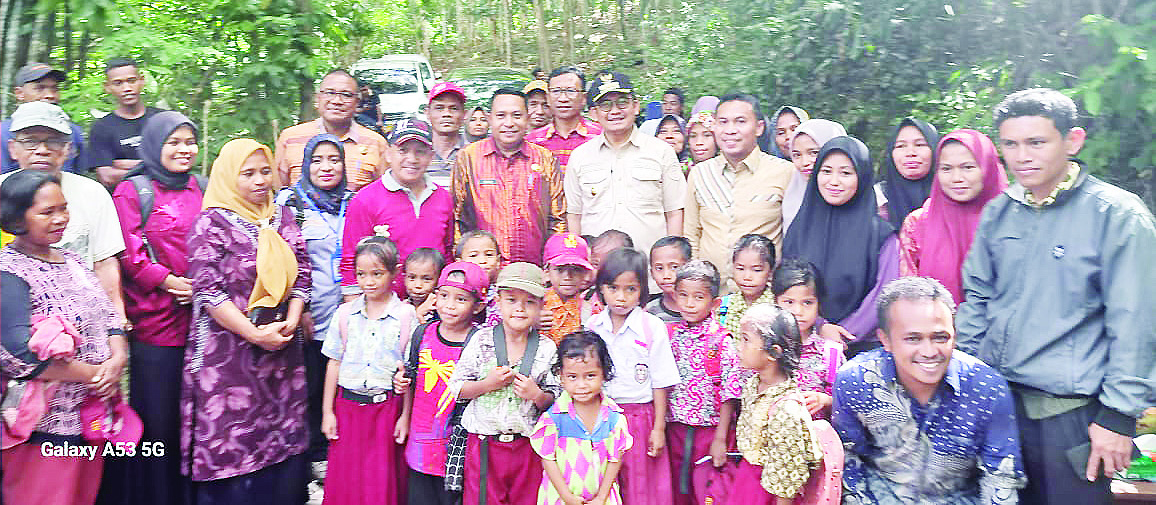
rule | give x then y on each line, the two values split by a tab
728	307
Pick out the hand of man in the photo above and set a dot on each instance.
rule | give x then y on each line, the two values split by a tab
1109	447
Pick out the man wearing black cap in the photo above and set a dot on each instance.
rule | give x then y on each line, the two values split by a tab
623	179
113	139
38	81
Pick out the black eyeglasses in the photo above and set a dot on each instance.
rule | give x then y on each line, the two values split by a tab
622	103
32	144
345	95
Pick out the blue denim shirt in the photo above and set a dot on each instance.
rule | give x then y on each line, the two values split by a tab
322	233
962	447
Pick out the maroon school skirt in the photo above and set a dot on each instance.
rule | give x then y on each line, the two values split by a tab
366	466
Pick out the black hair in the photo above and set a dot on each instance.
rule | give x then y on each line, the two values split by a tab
618	262
582	345
911	289
777	327
381	248
114	63
1042	102
589	240
423	254
472	234
677	242
507	91
17	194
613	235
676	92
757	243
745	98
796	272
479	108
703	271
569	69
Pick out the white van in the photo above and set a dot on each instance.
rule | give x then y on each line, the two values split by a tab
401	81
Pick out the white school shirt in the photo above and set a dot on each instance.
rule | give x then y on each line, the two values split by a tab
641	353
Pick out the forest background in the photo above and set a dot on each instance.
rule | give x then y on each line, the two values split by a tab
248	67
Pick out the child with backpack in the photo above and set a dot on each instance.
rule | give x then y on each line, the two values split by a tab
640	349
430	359
795	285
702	405
360	411
582	438
779	448
505	372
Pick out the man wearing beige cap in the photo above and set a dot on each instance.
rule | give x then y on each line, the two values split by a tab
39	82
40	141
537	105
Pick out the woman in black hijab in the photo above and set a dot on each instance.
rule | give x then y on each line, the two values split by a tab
908	168
837	229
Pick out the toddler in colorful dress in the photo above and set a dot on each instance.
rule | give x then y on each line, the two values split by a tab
795	285
583	436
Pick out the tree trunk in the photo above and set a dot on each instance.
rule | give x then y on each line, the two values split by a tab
82	57
543	42
14	11
568	27
67	29
622	18
25	18
39	44
506	17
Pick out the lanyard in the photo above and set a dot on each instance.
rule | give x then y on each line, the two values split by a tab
335	258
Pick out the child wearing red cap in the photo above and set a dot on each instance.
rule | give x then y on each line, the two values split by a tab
568	270
430	359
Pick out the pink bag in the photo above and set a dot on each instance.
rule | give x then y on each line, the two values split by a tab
53	337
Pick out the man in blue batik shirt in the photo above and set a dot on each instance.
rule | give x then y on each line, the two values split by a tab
920	421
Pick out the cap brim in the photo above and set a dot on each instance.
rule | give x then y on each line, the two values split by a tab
17	126
453	91
604	93
571	260
411	136
535	289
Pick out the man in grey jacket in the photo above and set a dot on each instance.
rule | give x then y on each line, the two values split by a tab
1060	288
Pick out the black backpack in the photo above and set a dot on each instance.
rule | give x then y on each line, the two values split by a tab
147	198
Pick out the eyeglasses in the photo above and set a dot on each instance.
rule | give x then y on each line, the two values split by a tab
570	92
622	103
334	95
33	144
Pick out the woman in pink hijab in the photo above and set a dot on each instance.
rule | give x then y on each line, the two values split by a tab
935	237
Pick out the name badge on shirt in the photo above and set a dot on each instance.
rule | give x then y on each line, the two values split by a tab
488	182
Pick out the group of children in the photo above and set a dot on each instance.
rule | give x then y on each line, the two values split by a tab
572	385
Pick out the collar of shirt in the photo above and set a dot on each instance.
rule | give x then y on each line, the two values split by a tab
1068	183
583	130
753	394
457	147
708	326
490	146
632	139
749	163
888	373
350	136
391	307
391	184
634	322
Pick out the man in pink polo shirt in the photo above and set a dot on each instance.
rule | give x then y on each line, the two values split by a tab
567	95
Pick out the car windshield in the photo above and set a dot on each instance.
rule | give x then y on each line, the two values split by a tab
389	81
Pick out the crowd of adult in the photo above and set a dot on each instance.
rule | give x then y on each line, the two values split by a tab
216	294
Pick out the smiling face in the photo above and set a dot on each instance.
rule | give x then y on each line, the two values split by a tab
410	161
445	113
784	127
583	378
921	337
567	280
622	294
483	252
959	175
179	150
750	273
615	113
336	98
670	133
45	220
804	152
1037	153
50	148
374	279
520	310
326	167
702	145
695	300
737	129
456	306
124	83
837	179
255	179
508	121
911	153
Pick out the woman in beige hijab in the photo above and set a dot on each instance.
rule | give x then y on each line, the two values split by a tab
243	394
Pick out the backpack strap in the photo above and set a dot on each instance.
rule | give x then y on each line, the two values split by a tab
411	364
832	364
146	197
202	182
504	358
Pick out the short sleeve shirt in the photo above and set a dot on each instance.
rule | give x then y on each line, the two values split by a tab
115	138
708	367
641	353
372	348
581	454
93	230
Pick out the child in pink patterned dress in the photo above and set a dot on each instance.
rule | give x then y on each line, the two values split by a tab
796	289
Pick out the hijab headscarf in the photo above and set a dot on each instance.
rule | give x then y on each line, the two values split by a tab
821	130
843	242
682	155
156	131
276	263
905	195
326	200
772	148
950	225
708	103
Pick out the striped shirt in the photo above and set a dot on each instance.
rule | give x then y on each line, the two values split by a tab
364	153
561	146
518	198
